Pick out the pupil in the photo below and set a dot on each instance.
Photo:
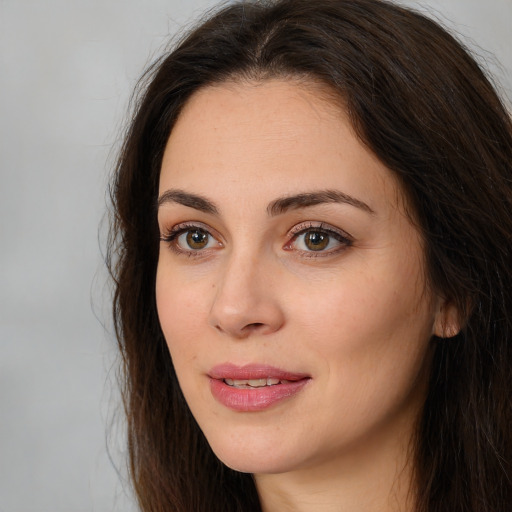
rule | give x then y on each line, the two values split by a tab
197	239
316	241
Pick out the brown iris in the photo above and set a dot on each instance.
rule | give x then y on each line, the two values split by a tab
197	239
316	240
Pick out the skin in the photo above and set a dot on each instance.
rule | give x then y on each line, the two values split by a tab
356	316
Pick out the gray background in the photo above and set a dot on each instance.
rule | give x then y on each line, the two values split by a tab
66	72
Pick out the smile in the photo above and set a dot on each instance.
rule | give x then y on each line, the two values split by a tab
253	388
255	383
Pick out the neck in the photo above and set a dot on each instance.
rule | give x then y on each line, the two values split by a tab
376	476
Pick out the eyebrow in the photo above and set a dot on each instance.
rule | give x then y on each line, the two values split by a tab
276	207
283	204
186	199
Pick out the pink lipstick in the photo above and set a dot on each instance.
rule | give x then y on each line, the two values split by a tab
253	387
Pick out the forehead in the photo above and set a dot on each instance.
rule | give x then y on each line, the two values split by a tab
289	135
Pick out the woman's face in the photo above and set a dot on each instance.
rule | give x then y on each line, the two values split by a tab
291	284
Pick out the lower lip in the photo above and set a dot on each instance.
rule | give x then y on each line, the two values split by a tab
255	399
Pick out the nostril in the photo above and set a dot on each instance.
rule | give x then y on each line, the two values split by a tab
253	327
244	319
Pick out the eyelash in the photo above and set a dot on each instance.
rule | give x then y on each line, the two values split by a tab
344	239
175	232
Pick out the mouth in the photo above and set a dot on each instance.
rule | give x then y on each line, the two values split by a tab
252	388
254	375
255	383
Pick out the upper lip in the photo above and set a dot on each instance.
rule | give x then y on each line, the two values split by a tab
253	371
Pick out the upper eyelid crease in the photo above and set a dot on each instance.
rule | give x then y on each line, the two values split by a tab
321	227
189	226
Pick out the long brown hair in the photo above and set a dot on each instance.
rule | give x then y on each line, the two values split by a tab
422	105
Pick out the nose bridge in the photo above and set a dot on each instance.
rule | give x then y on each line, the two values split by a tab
246	299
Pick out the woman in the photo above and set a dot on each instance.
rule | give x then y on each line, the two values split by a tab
312	240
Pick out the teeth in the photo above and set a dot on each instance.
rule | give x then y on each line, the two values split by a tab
253	383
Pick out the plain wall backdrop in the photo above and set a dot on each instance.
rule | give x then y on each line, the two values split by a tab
67	69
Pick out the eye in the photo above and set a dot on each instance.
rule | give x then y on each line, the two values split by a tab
314	241
194	239
190	239
318	239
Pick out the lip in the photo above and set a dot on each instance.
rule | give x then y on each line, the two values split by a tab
255	399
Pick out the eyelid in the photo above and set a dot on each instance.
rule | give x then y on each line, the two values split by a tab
344	238
171	235
320	226
184	226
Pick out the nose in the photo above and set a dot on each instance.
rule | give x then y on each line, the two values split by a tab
246	301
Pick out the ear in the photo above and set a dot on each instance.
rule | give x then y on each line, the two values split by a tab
447	321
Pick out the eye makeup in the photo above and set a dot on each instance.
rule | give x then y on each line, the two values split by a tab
316	239
309	239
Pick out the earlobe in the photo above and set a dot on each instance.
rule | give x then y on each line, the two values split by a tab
447	323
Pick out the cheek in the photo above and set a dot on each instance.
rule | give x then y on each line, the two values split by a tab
372	363
364	302
183	307
372	333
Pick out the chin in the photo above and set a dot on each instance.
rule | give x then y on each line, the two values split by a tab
240	462
255	457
